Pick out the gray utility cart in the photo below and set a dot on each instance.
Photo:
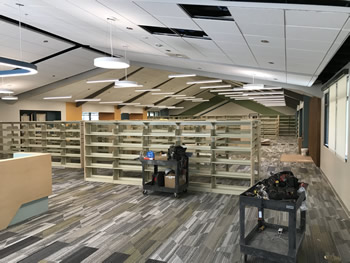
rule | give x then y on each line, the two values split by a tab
268	243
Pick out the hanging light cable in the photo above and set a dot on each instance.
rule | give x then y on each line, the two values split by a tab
111	62
21	68
126	83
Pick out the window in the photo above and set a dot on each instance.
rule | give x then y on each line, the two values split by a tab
336	118
90	116
326	118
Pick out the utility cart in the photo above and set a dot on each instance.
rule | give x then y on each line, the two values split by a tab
181	170
271	241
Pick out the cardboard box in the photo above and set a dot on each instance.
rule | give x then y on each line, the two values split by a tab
161	157
169	180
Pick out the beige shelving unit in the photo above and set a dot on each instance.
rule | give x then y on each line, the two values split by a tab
63	140
288	126
270	126
225	153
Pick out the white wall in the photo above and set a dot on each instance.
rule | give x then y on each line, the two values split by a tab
336	169
10	112
91	107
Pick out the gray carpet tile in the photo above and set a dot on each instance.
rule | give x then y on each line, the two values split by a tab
98	222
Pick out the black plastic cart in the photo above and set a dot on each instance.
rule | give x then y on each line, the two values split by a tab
180	167
268	243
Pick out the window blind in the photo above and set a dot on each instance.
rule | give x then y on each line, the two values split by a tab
332	116
341	118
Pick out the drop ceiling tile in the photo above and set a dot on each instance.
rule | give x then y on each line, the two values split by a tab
309	33
347	25
200	44
228	38
273	41
262	30
302	67
217	26
266	51
259	16
319	46
315	19
163	9
334	48
298	79
178	22
305	55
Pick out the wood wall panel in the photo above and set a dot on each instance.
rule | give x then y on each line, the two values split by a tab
315	129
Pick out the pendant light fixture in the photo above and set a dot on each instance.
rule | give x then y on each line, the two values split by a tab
111	62
253	86
21	68
126	83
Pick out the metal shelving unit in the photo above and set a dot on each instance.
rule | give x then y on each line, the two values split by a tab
219	149
63	140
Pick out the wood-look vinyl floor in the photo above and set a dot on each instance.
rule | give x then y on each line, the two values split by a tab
100	222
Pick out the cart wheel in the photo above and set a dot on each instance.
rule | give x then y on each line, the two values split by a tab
144	192
176	195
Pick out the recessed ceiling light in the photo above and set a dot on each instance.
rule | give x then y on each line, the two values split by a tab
46	41
168	50
129	28
57	98
159	45
264	41
275	78
270	62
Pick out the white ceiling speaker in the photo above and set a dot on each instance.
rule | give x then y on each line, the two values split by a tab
111	63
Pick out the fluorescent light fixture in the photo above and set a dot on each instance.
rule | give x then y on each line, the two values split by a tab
269	97
148	105
216	87
9	98
86	100
263	93
181	76
242	89
253	86
224	90
6	91
111	63
144	90
110	102
57	98
204	81
21	68
199	100
163	93
227	93
101	81
126	84
174	96
242	98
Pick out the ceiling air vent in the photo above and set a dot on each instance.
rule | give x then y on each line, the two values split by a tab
191	33
208	12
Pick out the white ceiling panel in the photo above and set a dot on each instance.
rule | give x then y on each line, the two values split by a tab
228	38
131	11
347	25
257	16
203	45
304	55
163	9
265	51
178	22
319	46
273	41
217	26
298	79
315	19
309	33
262	30
300	67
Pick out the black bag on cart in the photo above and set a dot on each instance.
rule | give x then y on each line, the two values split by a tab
176	152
